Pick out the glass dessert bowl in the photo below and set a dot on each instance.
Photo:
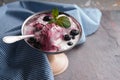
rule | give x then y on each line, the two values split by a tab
54	32
51	37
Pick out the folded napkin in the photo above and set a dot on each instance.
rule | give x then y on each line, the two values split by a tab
18	61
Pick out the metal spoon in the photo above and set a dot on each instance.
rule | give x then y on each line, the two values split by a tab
12	39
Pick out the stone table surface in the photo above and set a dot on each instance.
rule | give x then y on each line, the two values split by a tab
101	4
99	57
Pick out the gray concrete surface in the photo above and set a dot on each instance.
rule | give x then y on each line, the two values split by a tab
101	4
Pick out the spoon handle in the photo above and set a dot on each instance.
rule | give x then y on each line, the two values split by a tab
12	39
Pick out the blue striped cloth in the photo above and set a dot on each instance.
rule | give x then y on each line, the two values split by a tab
18	61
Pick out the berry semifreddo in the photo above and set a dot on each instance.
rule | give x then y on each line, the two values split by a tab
53	33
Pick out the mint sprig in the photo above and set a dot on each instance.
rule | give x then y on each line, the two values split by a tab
55	12
62	21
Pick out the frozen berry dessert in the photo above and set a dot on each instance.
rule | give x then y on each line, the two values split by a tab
54	31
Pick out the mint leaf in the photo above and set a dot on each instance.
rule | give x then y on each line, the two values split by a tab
52	21
63	22
55	12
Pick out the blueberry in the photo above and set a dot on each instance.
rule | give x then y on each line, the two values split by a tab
70	43
37	45
67	37
47	18
31	40
73	37
74	32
